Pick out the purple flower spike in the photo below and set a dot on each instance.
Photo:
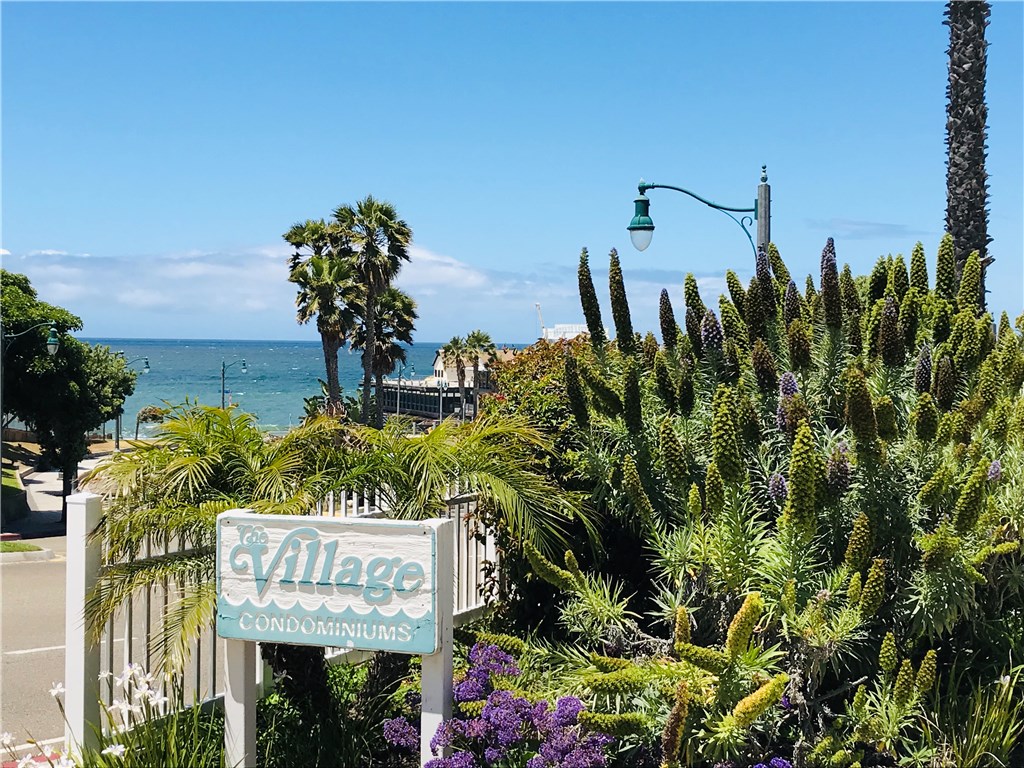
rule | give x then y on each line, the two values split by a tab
711	334
787	385
779	762
777	488
995	471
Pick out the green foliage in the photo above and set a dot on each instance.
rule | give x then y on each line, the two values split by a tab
620	306
736	293
855	494
588	298
945	270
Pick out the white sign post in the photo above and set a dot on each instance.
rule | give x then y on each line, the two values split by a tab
361	584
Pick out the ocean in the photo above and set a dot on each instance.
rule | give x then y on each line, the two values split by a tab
279	374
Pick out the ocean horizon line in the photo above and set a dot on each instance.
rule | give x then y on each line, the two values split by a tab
312	342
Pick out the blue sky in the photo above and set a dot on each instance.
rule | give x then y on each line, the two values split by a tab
153	154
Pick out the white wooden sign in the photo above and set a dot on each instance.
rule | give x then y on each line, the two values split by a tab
366	584
361	584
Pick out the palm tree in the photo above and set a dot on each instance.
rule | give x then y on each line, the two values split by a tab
966	113
204	461
501	459
379	241
395	316
327	291
455	353
479	344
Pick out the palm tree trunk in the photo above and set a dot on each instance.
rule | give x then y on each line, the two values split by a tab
476	382
331	344
379	389
371	345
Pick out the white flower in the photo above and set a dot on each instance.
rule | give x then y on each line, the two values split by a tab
64	762
119	706
157	699
105	675
6	739
117	750
142	690
25	761
57	689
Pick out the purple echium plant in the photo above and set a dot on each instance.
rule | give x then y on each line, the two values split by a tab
510	730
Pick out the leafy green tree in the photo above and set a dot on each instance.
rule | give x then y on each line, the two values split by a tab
63	396
151	414
379	241
86	386
27	353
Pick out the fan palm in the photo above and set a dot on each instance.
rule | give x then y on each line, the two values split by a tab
395	316
479	345
455	352
203	461
327	291
498	459
379	241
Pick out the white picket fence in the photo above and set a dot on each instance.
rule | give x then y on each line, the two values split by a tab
128	637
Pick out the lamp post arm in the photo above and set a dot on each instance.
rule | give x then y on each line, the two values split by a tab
5	336
644	186
743	222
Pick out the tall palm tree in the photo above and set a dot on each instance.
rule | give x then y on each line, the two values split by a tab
327	291
395	318
455	352
480	345
379	241
966	113
204	461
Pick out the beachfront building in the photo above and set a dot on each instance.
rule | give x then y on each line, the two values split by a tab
437	396
563	331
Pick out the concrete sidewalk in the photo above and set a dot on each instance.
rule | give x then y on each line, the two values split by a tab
43	492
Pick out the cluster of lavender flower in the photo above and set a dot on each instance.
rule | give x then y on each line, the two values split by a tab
775	762
510	728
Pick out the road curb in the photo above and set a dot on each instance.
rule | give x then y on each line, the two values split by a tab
25	557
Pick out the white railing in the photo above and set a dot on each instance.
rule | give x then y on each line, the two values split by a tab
129	637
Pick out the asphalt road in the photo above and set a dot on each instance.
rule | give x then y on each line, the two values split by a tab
32	644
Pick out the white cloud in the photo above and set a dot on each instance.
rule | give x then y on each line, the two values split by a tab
4	252
428	272
245	293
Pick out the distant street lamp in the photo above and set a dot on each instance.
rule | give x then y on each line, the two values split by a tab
120	411
442	385
6	339
641	228
398	397
223	371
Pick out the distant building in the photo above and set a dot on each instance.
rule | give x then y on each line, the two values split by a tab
563	331
448	373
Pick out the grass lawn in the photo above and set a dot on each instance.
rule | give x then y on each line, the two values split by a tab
13	496
18	546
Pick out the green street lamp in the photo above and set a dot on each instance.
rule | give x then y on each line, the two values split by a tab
398	396
223	371
641	227
6	339
120	411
